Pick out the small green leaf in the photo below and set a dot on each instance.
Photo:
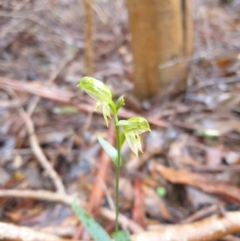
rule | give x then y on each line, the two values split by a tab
110	150
161	191
120	236
94	228
120	102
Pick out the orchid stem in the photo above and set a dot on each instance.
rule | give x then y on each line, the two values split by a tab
117	169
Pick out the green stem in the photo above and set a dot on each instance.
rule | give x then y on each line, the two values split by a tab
117	169
117	197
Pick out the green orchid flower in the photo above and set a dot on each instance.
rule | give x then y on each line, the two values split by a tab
124	130
99	92
132	128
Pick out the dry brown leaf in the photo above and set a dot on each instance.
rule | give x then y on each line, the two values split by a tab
154	204
228	192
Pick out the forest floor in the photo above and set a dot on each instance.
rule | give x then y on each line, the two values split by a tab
189	170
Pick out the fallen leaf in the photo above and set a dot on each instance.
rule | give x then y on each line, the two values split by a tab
228	192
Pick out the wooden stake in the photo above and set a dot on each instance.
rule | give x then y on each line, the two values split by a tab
88	37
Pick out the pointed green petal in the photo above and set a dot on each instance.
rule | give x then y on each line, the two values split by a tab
96	89
134	142
98	104
106	112
120	102
136	125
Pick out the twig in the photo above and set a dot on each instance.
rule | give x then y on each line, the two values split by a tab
205	230
67	98
39	153
52	78
192	58
35	146
208	40
39	90
212	82
214	169
39	195
13	24
88	27
13	232
67	200
201	214
208	229
32	18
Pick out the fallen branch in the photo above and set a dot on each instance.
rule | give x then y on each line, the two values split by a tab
13	232
208	229
35	146
41	90
67	200
39	153
67	97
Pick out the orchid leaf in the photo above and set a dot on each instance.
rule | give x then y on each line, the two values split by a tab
120	236
93	228
110	150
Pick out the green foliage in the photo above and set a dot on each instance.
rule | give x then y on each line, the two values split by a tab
120	236
94	229
110	150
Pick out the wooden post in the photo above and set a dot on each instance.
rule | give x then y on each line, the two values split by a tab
161	31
